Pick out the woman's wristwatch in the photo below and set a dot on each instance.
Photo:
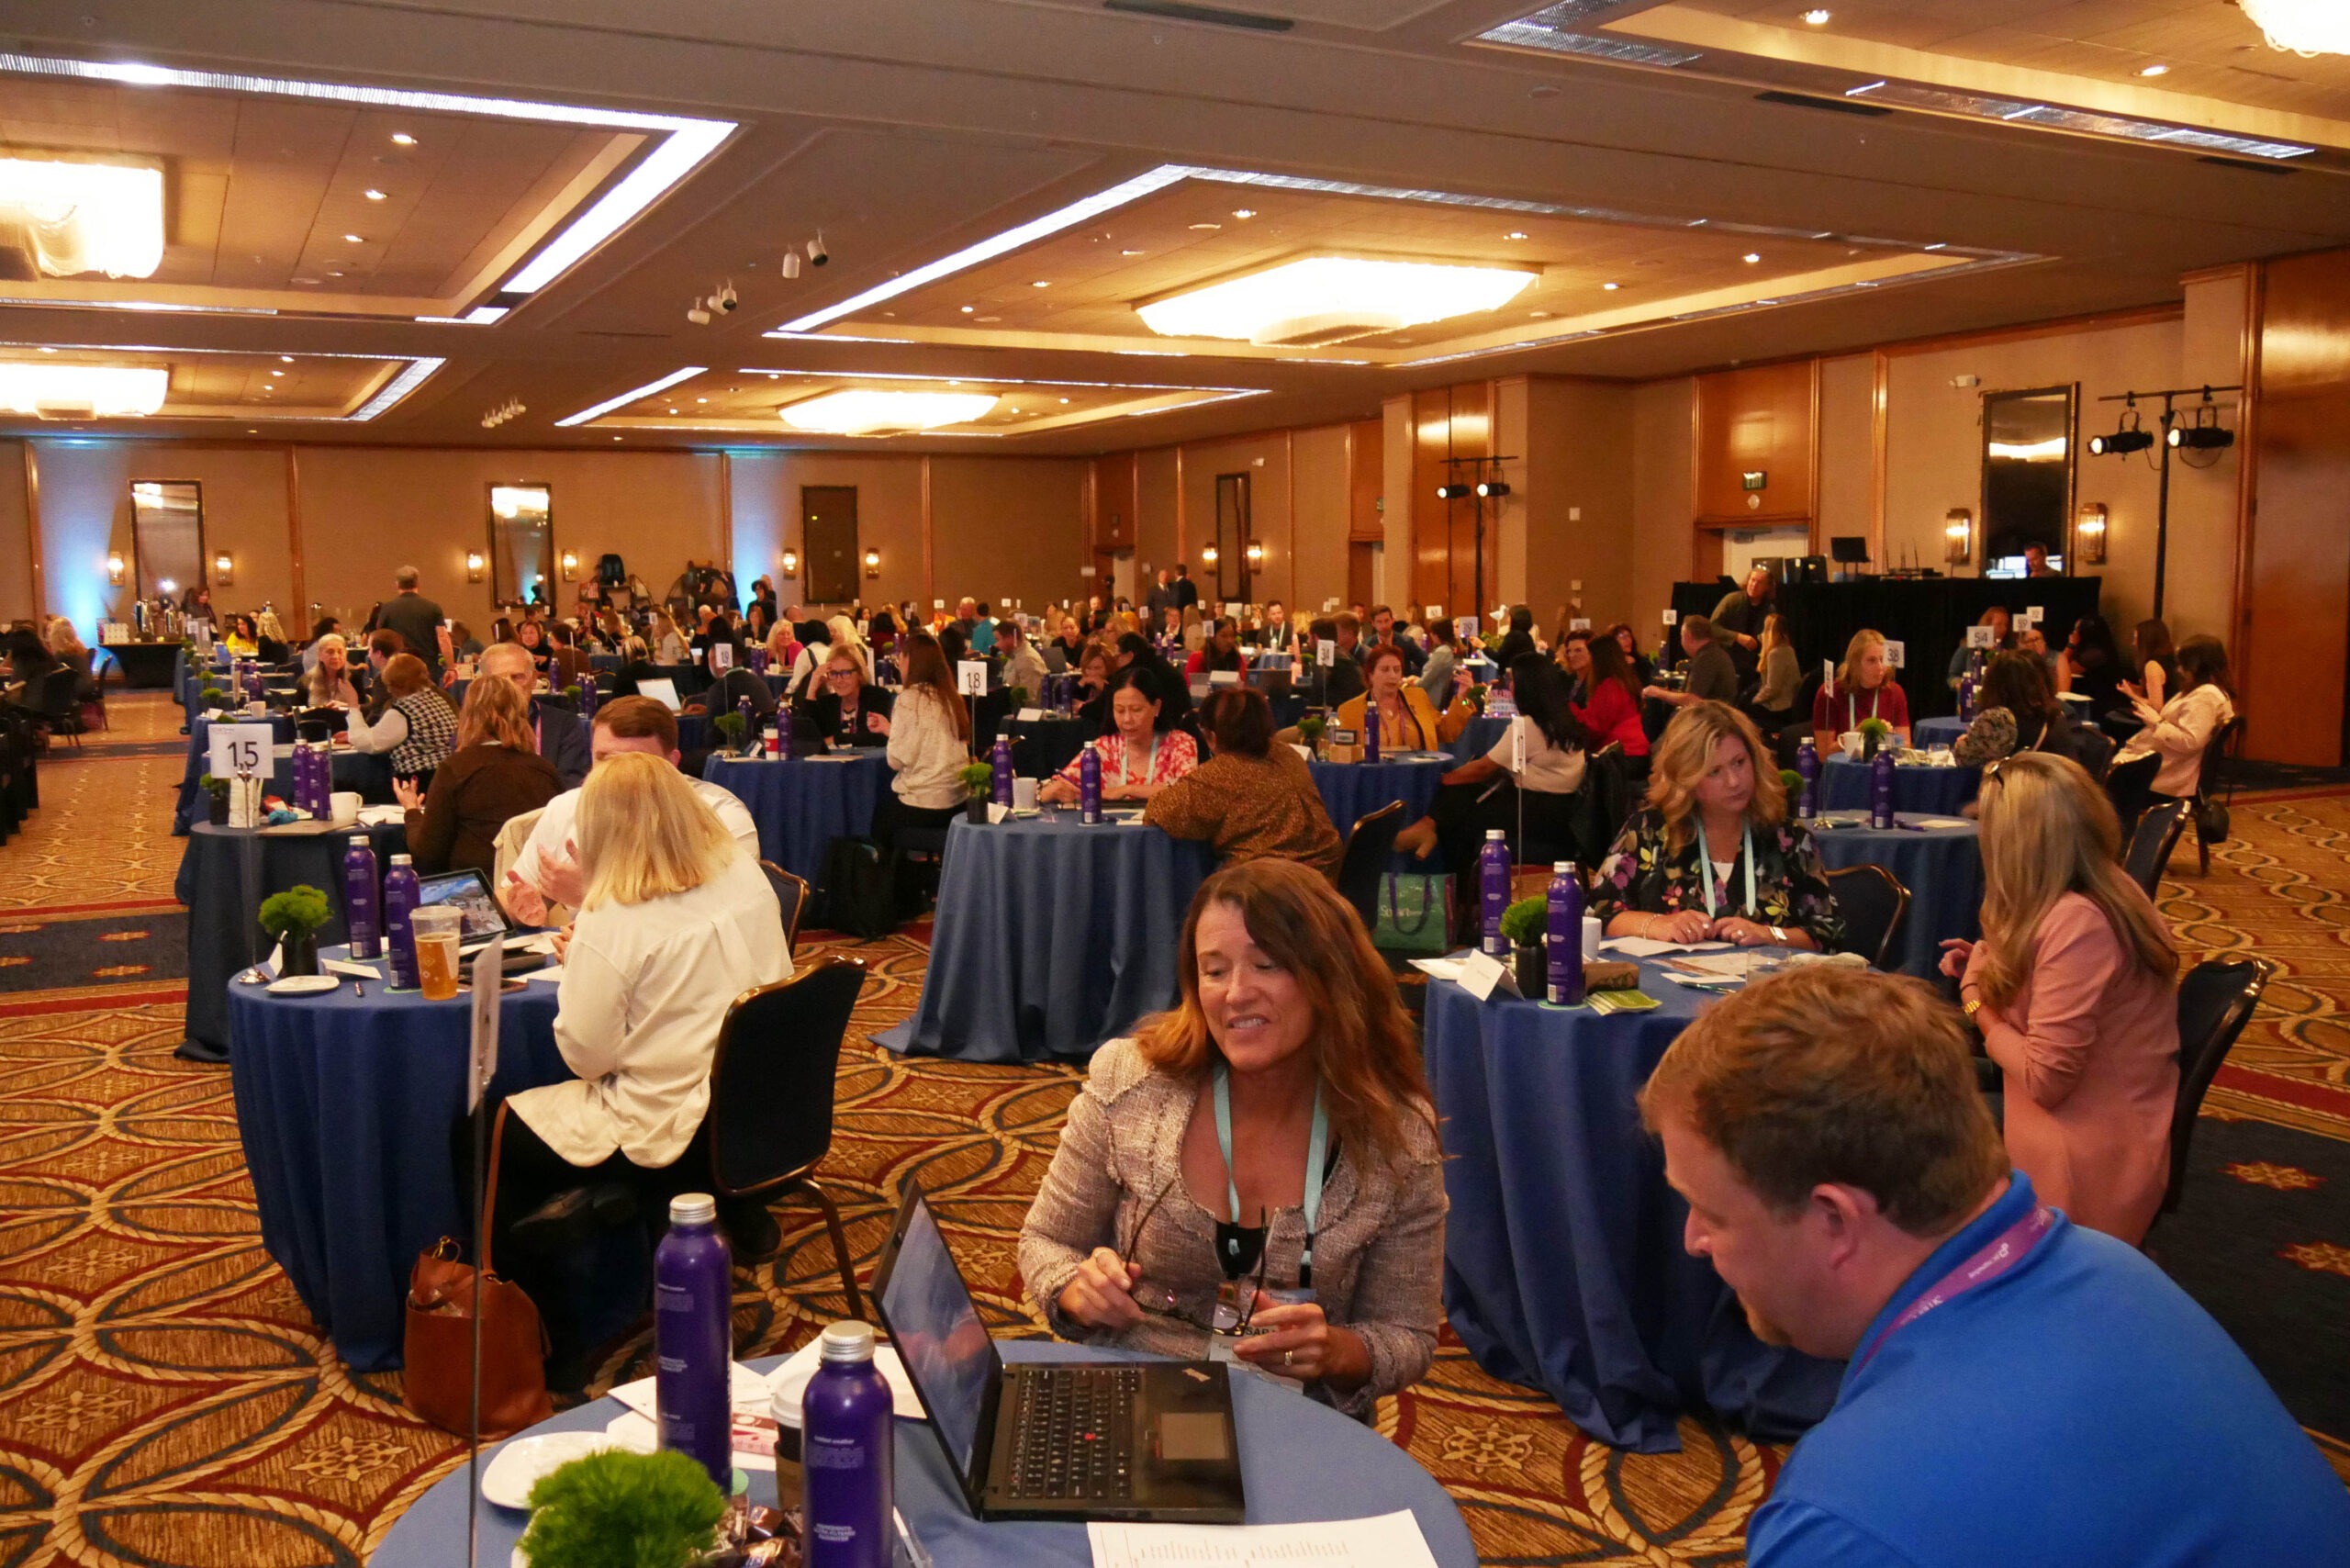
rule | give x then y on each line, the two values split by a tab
1779	935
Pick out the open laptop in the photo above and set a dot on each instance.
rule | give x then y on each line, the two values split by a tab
485	919
1077	1440
662	690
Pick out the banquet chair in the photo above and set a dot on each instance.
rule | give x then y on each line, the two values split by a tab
2216	999
771	1082
2214	788
60	703
2150	845
1874	906
2093	749
506	847
791	896
1370	847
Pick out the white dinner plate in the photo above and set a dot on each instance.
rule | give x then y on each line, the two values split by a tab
303	985
521	1462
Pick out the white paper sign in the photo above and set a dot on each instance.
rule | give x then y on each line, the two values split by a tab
241	748
1828	673
1465	629
971	677
1326	652
1895	653
1394	1542
1029	715
1435	612
1328	605
1231	609
721	658
939	604
1223	678
1481	974
488	975
2028	616
1672	617
1579	624
1981	637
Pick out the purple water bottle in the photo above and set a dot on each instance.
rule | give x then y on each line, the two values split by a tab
400	895
360	919
1881	788
1000	760
1493	890
1562	938
589	695
750	723
847	1454
782	751
1089	785
1808	769
692	1342
1371	731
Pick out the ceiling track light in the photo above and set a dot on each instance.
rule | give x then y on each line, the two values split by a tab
511	408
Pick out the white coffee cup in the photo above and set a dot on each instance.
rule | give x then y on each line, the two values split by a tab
345	805
1591	938
1024	794
257	709
1849	743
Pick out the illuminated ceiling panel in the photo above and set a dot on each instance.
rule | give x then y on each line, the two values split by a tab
199	384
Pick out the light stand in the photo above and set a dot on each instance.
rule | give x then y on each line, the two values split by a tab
2171	429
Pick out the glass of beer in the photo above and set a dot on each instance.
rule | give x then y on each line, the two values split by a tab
437	930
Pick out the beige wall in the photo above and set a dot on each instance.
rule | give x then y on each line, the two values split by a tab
1577	500
1318	550
1008	529
1847	490
1662	449
15	537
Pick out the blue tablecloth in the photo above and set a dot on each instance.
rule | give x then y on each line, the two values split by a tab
370	775
1933	792
803	804
1938	732
1050	937
1943	868
1352	790
225	873
1483	734
1563	1263
1299	1462
346	1107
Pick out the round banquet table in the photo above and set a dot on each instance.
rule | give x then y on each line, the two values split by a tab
1938	791
1352	790
1300	1462
1042	747
1483	734
1942	867
802	804
368	776
693	731
225	873
1050	937
346	1107
1943	731
1563	1263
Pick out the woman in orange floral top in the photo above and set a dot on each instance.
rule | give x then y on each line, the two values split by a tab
1143	752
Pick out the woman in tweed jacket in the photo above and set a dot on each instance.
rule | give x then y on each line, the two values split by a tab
1287	1004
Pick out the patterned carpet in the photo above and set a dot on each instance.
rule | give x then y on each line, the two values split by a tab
165	1400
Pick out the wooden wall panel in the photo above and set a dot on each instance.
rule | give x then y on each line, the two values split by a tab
1366	481
1764	420
1449	422
2297	582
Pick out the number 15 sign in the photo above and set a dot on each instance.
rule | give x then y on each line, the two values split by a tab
242	748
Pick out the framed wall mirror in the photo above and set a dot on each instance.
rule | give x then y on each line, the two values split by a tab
167	538
2028	474
1231	540
521	544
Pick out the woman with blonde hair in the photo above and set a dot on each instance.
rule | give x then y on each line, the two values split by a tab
1773	702
1863	690
675	924
1271	1134
668	645
495	773
2075	986
1714	857
328	684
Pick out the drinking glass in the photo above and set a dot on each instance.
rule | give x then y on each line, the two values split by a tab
437	930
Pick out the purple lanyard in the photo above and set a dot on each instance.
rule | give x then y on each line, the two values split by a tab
1998	1255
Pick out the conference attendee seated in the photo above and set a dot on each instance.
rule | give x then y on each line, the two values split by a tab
1628	639
845	713
2002	625
495	773
1253	798
1442	674
1407	719
242	639
1219	651
2015	711
328	682
1863	690
929	731
2075	986
417	728
636	665
1210	1124
1714	857
1094	667
1518	640
1023	666
384	645
1711	677
2022	1389
1385	633
2089	666
1610	709
270	638
324	625
2158	660
732	682
1529	775
566	665
2163	760
1143	751
1342	681
547	875
674	923
562	739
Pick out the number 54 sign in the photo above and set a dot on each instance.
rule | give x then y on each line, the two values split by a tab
242	748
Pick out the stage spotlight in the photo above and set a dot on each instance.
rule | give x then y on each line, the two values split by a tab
1492	487
2193	438
1454	492
2121	443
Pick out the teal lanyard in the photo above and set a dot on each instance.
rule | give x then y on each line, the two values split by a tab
1706	875
1317	1143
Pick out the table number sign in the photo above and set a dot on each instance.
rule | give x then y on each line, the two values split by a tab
1326	652
1435	612
1464	630
971	677
1981	637
2028	616
1580	623
1671	618
721	658
1896	655
490	974
233	749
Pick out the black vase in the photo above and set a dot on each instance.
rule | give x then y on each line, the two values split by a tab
299	954
975	810
1531	965
218	810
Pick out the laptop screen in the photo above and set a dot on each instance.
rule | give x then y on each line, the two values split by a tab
944	1347
467	891
662	690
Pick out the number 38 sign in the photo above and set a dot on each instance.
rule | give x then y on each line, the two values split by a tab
242	748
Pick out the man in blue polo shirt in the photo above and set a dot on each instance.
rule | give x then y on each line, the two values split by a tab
2020	1391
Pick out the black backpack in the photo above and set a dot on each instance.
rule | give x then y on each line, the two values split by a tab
856	894
611	573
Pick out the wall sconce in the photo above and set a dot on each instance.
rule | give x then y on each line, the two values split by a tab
1958	536
1255	554
224	570
792	561
570	565
473	565
873	562
2089	534
1209	556
115	568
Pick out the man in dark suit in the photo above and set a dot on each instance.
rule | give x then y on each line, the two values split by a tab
563	734
1187	592
1160	599
418	620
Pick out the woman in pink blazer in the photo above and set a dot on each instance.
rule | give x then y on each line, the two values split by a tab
2074	987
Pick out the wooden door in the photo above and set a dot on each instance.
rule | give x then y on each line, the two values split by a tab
828	537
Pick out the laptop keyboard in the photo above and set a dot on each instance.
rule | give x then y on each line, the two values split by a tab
1073	1433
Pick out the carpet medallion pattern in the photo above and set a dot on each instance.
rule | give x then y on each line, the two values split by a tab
166	1402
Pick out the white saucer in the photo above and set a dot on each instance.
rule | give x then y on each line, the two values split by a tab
303	985
523	1460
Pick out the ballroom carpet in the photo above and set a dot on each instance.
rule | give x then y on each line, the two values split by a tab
165	1399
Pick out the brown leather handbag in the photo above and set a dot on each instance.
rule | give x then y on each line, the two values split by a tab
439	1344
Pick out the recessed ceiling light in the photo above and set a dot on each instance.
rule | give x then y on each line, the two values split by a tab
1818	19
1064	400
277	372
285	359
876	413
352	239
1611	288
673	410
1244	213
49	351
1207	227
1130	252
1537	315
1515	234
95	218
402	139
1752	257
616	438
305	280
1042	282
2155	69
1318	301
101	391
969	308
373	195
987	318
701	399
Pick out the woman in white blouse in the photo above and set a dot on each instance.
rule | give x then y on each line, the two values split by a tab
930	740
1532	775
2164	761
675	924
